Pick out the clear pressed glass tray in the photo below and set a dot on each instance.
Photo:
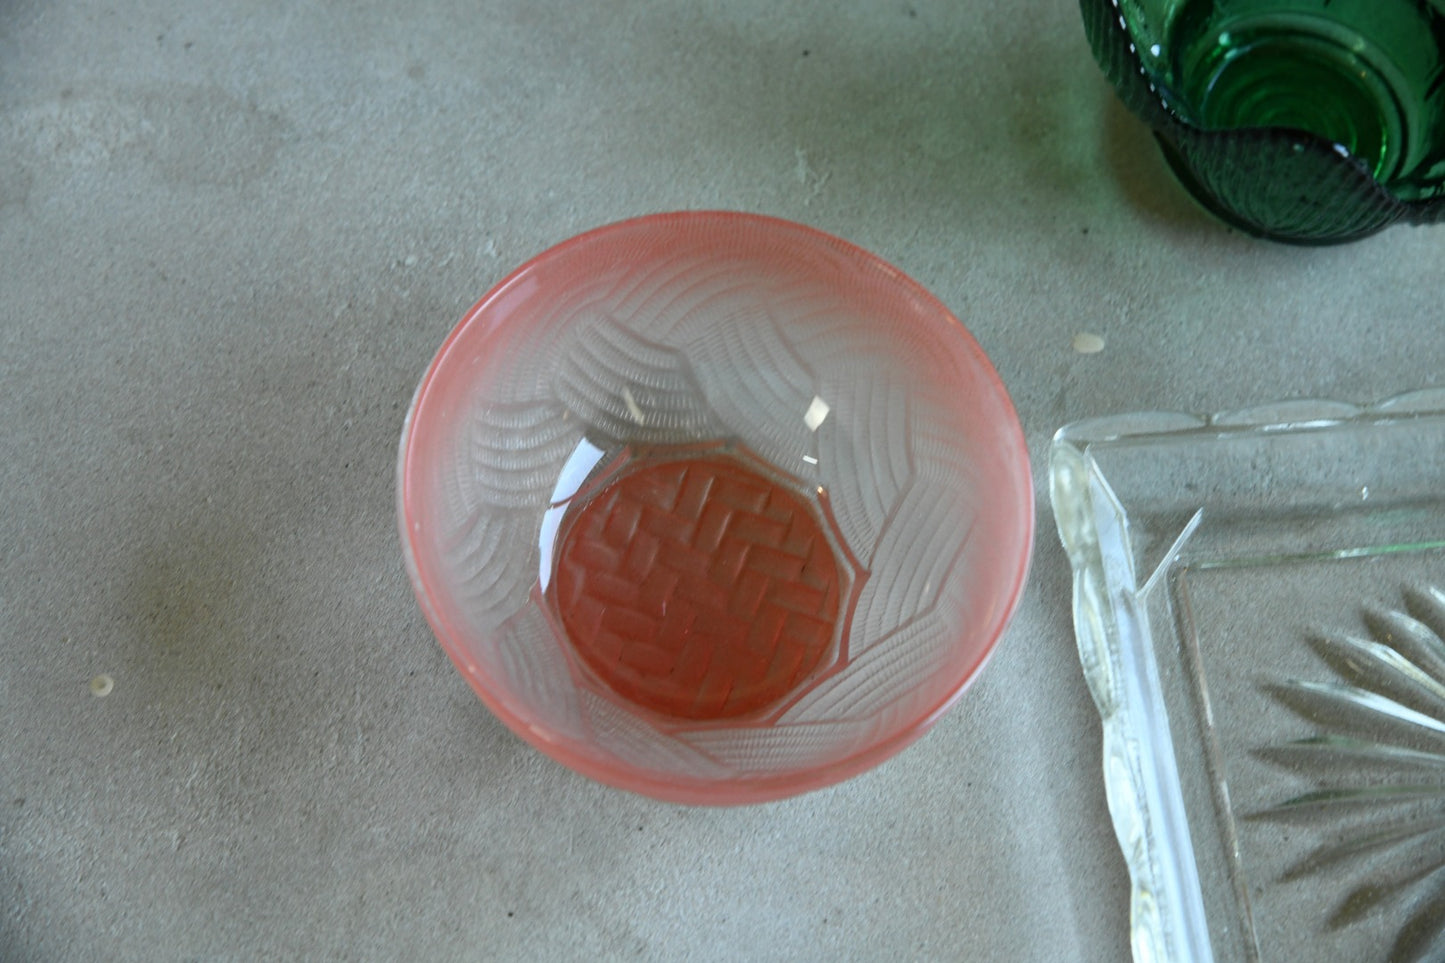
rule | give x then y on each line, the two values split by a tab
1259	601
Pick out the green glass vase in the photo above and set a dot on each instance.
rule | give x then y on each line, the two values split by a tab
1308	121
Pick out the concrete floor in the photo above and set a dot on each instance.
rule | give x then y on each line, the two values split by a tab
232	236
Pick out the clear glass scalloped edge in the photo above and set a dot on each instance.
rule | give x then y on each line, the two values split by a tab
1141	781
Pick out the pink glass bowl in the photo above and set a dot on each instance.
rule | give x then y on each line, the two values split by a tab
714	507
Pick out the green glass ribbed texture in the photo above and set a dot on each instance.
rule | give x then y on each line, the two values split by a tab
1312	121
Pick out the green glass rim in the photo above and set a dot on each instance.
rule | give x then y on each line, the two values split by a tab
1361	206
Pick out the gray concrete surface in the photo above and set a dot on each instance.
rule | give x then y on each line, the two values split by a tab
231	237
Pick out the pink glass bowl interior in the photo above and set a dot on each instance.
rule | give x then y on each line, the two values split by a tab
714	507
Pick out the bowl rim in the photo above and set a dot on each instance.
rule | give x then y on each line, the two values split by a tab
747	789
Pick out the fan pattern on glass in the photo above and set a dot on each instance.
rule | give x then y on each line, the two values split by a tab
686	358
1378	764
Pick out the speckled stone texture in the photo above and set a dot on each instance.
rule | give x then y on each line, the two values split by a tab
232	236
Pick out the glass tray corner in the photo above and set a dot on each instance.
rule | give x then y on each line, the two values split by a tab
1259	602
